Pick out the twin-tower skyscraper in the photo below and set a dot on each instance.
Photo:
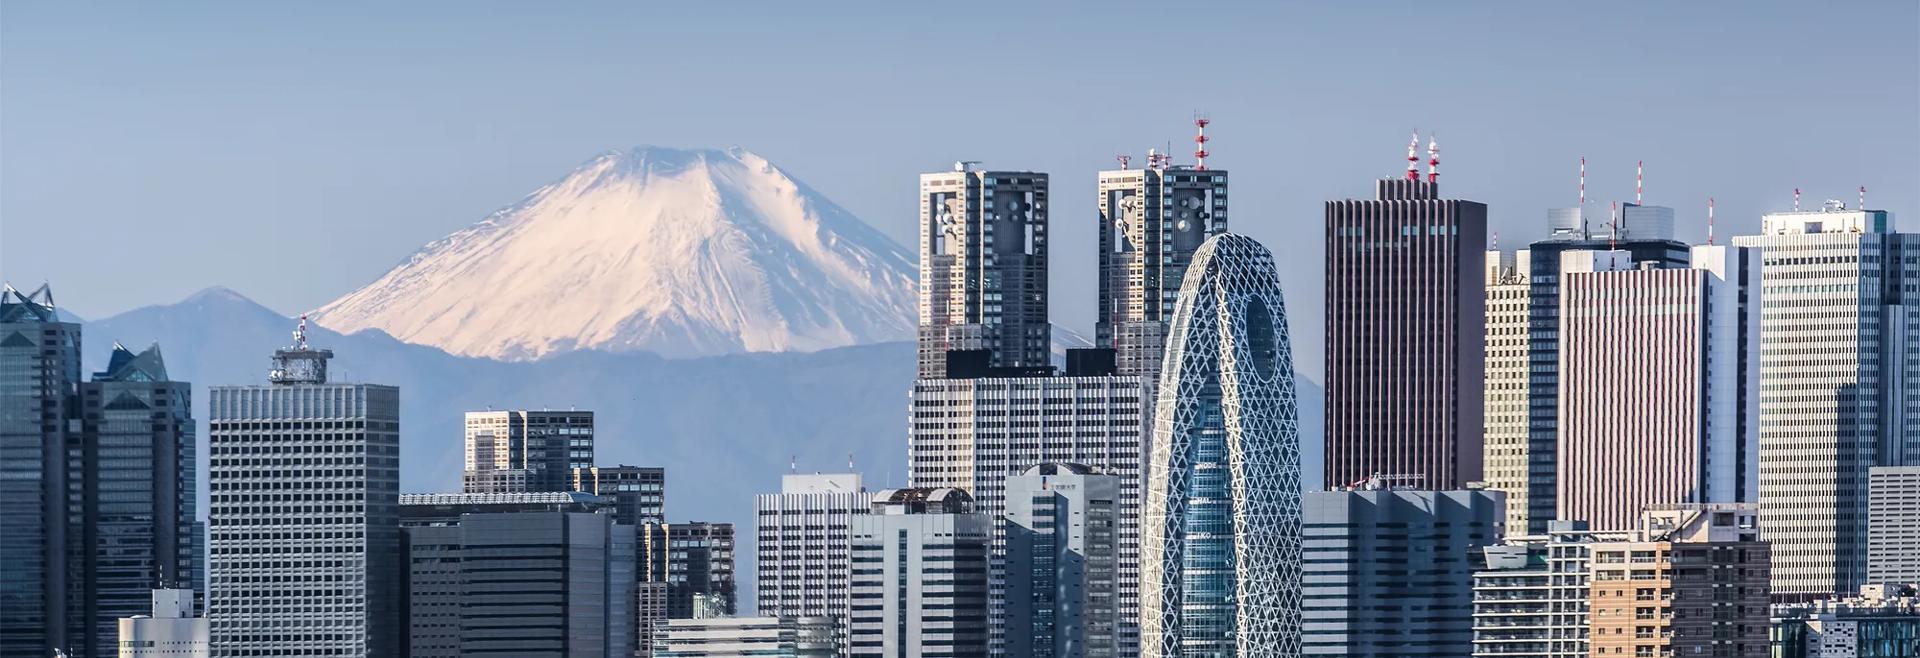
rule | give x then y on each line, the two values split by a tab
1206	453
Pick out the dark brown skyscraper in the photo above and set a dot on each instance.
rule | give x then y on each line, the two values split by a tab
1405	334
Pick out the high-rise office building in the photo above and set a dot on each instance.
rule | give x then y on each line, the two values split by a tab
983	268
1680	347
171	631
749	637
96	485
515	451
1390	571
1841	299
641	491
974	433
920	586
305	554
1530	599
1506	422
39	375
1691	581
1882	621
132	477
694	560
1893	524
801	546
1530	492
1220	527
1406	328
1062	539
1151	222
524	582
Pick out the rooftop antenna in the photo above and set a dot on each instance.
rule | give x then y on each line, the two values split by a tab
1709	221
1613	237
1433	158
849	462
1496	240
793	463
1124	159
1413	156
300	333
1796	199
1200	122
1639	181
1583	182
1863	198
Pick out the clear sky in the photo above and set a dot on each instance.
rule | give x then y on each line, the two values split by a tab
296	152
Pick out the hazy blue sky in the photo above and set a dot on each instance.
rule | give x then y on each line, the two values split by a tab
295	153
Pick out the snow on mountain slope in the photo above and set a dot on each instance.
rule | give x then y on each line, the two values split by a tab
677	252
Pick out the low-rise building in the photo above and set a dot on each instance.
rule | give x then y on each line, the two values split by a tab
1883	621
747	637
172	631
1693	581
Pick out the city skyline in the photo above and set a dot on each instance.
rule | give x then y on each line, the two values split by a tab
1513	139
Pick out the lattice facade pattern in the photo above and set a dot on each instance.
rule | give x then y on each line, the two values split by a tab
1220	544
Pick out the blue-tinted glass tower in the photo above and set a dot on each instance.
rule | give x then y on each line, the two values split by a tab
1220	534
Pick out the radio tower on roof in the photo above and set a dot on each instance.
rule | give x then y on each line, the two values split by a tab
1413	156
1709	221
1639	181
1200	143
1433	159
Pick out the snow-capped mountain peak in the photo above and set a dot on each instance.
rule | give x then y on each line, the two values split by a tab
678	252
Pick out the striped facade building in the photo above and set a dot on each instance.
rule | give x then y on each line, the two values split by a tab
1842	393
1659	376
1506	464
1406	323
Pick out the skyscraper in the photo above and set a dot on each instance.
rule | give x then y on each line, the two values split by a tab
1151	222
1220	530
526	574
973	434
96	485
515	451
921	587
1681	348
640	490
983	267
133	479
1062	535
1390	571
39	373
801	546
1893	524
694	560
1841	326
1569	230
1506	422
305	553
1406	328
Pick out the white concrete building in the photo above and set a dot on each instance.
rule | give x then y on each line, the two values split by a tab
172	631
1530	601
1893	524
802	545
1840	385
918	588
748	637
1659	383
1507	459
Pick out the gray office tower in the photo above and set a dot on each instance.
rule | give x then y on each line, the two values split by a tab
1062	535
801	546
1841	390
641	491
1389	572
305	556
983	268
694	559
96	485
1406	335
1522	439
1893	524
1151	222
919	586
515	451
528	574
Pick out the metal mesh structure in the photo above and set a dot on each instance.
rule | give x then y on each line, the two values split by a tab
1220	544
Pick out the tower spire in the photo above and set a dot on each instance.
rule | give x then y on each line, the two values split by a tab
1639	181
1200	142
1413	156
1433	159
1583	183
1863	197
1796	199
1709	221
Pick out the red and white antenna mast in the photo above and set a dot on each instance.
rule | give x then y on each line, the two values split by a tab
1709	221
1413	156
1200	142
300	333
1639	181
1863	197
1433	159
1583	183
1124	159
1796	199
1613	237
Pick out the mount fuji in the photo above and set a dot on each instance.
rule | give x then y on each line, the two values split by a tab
682	253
